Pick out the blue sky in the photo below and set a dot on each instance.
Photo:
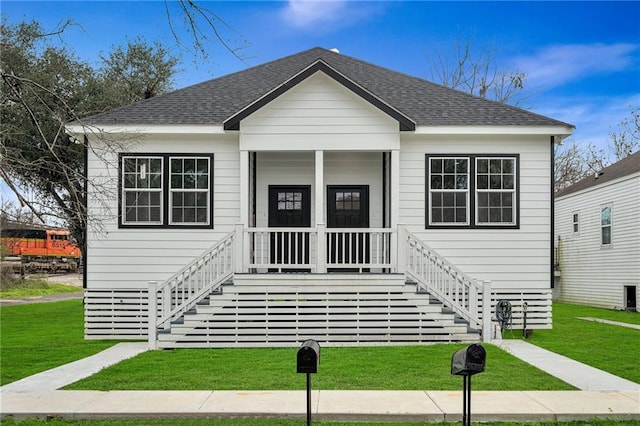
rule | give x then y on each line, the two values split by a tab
582	59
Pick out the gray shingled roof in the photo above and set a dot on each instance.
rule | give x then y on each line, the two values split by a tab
624	167
214	101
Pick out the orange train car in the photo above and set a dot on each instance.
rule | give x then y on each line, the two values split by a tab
41	249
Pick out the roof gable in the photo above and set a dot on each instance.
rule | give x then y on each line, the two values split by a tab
233	122
411	100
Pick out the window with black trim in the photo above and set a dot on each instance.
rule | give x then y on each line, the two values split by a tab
472	191
166	190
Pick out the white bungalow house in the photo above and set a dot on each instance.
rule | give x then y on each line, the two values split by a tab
597	234
316	196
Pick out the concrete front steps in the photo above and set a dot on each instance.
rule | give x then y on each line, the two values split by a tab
283	310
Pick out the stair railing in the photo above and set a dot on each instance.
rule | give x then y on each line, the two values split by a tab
455	289
187	287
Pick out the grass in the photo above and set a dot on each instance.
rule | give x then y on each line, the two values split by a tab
374	368
41	336
285	422
19	288
37	337
608	347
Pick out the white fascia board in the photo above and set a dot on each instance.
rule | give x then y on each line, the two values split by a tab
560	131
192	129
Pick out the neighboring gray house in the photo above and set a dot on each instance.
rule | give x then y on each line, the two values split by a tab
597	234
319	185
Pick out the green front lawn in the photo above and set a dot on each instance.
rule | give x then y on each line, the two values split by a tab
380	367
40	336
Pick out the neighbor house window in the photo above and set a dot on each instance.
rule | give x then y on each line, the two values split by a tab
576	223
605	224
166	190
472	191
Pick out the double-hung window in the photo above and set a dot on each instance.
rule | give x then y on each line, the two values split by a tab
165	190
495	191
472	191
449	190
576	223
605	224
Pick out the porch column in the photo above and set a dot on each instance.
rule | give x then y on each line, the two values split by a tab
394	208
244	209
321	264
397	240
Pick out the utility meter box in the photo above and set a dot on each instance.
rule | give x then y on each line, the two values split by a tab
468	361
308	357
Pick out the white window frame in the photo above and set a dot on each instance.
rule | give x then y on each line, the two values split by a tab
501	190
454	190
575	223
142	174
165	191
608	225
172	191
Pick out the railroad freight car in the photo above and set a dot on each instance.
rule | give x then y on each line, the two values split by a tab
40	249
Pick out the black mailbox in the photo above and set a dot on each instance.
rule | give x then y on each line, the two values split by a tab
309	357
468	361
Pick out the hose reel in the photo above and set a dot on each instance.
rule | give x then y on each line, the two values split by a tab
503	314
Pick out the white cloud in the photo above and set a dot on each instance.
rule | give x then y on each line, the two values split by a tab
557	65
303	13
595	118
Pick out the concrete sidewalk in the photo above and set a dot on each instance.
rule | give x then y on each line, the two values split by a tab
402	406
605	396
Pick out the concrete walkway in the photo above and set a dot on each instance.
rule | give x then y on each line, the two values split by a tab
64	375
604	396
573	372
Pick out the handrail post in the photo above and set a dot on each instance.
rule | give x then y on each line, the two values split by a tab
399	249
153	315
321	249
473	297
486	311
238	248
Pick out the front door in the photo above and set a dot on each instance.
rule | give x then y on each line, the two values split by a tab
347	207
289	207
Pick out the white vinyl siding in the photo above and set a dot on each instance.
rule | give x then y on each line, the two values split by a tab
124	258
511	258
319	114
592	273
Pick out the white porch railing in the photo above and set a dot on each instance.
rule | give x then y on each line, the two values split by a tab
318	249
451	286
171	299
357	248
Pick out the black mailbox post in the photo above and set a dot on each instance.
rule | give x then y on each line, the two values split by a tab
467	362
308	359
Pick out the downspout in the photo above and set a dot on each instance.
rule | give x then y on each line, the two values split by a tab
86	211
